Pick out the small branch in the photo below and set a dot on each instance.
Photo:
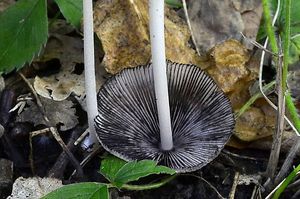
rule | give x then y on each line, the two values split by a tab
258	45
277	136
51	129
38	101
208	183
57	170
190	26
95	151
67	151
234	185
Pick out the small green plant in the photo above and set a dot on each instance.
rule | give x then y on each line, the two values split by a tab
24	30
119	173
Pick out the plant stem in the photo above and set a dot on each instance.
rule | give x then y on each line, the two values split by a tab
286	44
277	136
286	182
148	186
89	68
156	12
269	28
293	111
253	99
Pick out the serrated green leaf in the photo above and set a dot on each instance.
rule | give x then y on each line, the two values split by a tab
72	10
85	190
110	166
135	170
118	172
23	31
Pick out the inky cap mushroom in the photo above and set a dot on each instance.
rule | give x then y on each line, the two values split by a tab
201	117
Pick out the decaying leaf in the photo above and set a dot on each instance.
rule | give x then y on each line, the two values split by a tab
234	71
33	187
5	4
229	67
122	26
214	21
69	50
59	86
253	125
2	83
59	113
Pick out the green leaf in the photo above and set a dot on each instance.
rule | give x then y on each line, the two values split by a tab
286	182
119	173
174	3
85	190
110	166
23	31
72	10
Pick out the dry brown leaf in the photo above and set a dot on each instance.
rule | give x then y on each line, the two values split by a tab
59	113
59	86
234	71
229	67
253	125
2	83
122	26
5	4
214	21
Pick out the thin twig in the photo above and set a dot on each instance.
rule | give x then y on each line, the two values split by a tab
58	168
81	137
296	195
295	184
277	136
288	161
87	158
258	45
234	185
190	26
52	129
208	183
67	151
38	101
242	156
256	194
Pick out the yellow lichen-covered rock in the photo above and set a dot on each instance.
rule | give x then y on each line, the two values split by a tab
122	26
230	59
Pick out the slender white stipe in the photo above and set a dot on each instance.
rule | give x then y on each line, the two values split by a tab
89	68
156	12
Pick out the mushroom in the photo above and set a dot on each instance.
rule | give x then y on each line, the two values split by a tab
201	115
135	121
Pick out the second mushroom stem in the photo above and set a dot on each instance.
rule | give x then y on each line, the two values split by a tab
156	21
89	68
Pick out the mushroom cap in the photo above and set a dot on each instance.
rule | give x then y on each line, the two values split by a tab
201	116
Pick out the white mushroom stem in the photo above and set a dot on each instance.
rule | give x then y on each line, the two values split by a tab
89	67
156	12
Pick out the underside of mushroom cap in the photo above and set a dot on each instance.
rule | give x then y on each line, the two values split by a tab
201	117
